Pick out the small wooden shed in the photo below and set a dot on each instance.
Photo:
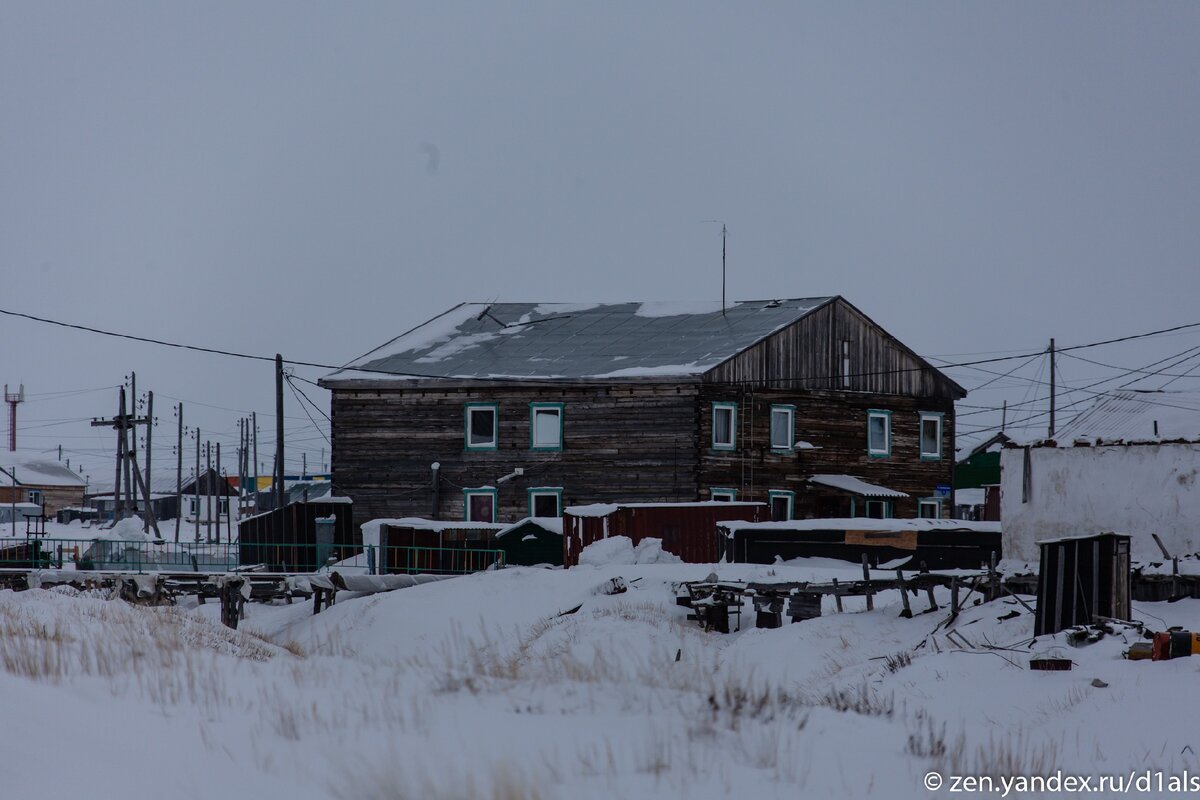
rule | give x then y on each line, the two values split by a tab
1081	578
689	530
413	544
533	540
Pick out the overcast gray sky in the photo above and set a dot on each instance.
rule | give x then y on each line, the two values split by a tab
313	178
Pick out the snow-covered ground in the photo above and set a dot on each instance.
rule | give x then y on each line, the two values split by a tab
480	686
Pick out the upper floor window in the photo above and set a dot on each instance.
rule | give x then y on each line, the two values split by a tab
723	495
481	423
845	363
783	427
546	426
931	436
724	426
879	433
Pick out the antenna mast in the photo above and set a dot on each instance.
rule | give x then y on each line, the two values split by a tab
13	399
724	234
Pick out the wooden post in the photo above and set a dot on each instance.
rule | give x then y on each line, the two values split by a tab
254	433
867	580
222	496
196	521
280	454
118	504
907	612
149	441
993	578
954	596
208	490
179	473
837	595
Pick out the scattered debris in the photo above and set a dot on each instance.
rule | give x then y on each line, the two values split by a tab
1050	664
612	586
1099	684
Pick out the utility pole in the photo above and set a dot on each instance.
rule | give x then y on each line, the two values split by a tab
1052	389
133	403
1004	416
222	497
254	433
179	473
304	465
123	422
149	441
208	490
196	486
279	449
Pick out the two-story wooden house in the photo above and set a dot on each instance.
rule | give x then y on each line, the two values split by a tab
502	411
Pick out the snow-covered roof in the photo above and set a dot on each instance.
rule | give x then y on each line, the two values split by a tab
849	483
970	497
423	524
604	509
1132	416
863	524
562	340
550	524
36	469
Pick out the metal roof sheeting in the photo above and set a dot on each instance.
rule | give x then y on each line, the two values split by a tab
849	483
1132	415
558	340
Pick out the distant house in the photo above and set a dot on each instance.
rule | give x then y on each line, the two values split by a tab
216	493
977	481
1130	464
27	477
510	410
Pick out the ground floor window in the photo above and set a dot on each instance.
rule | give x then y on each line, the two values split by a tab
930	508
781	504
479	505
545	501
35	496
723	495
878	509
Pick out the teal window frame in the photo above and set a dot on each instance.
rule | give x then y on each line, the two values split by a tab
936	501
533	491
733	408
469	493
887	415
888	508
533	409
791	413
467	409
941	423
715	490
785	493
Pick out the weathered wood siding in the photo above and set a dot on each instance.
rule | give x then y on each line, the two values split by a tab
635	443
808	355
836	422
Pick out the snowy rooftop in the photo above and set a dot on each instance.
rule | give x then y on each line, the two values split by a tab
562	340
1132	416
36	469
549	524
849	483
862	524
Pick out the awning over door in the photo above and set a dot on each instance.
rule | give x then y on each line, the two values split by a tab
853	485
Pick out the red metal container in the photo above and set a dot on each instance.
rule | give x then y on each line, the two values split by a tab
689	530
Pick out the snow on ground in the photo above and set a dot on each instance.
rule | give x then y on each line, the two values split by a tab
483	686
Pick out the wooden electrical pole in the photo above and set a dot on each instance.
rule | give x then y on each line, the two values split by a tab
1052	389
208	490
196	521
179	473
222	497
122	423
149	448
254	433
279	448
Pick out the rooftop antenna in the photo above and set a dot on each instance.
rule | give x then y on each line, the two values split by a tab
724	236
13	399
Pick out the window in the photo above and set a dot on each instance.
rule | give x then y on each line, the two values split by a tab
723	495
879	509
845	363
35	496
545	501
724	430
783	428
479	505
781	504
931	436
879	433
192	506
930	508
545	426
223	506
481	424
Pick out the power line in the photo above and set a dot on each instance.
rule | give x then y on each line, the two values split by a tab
316	365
